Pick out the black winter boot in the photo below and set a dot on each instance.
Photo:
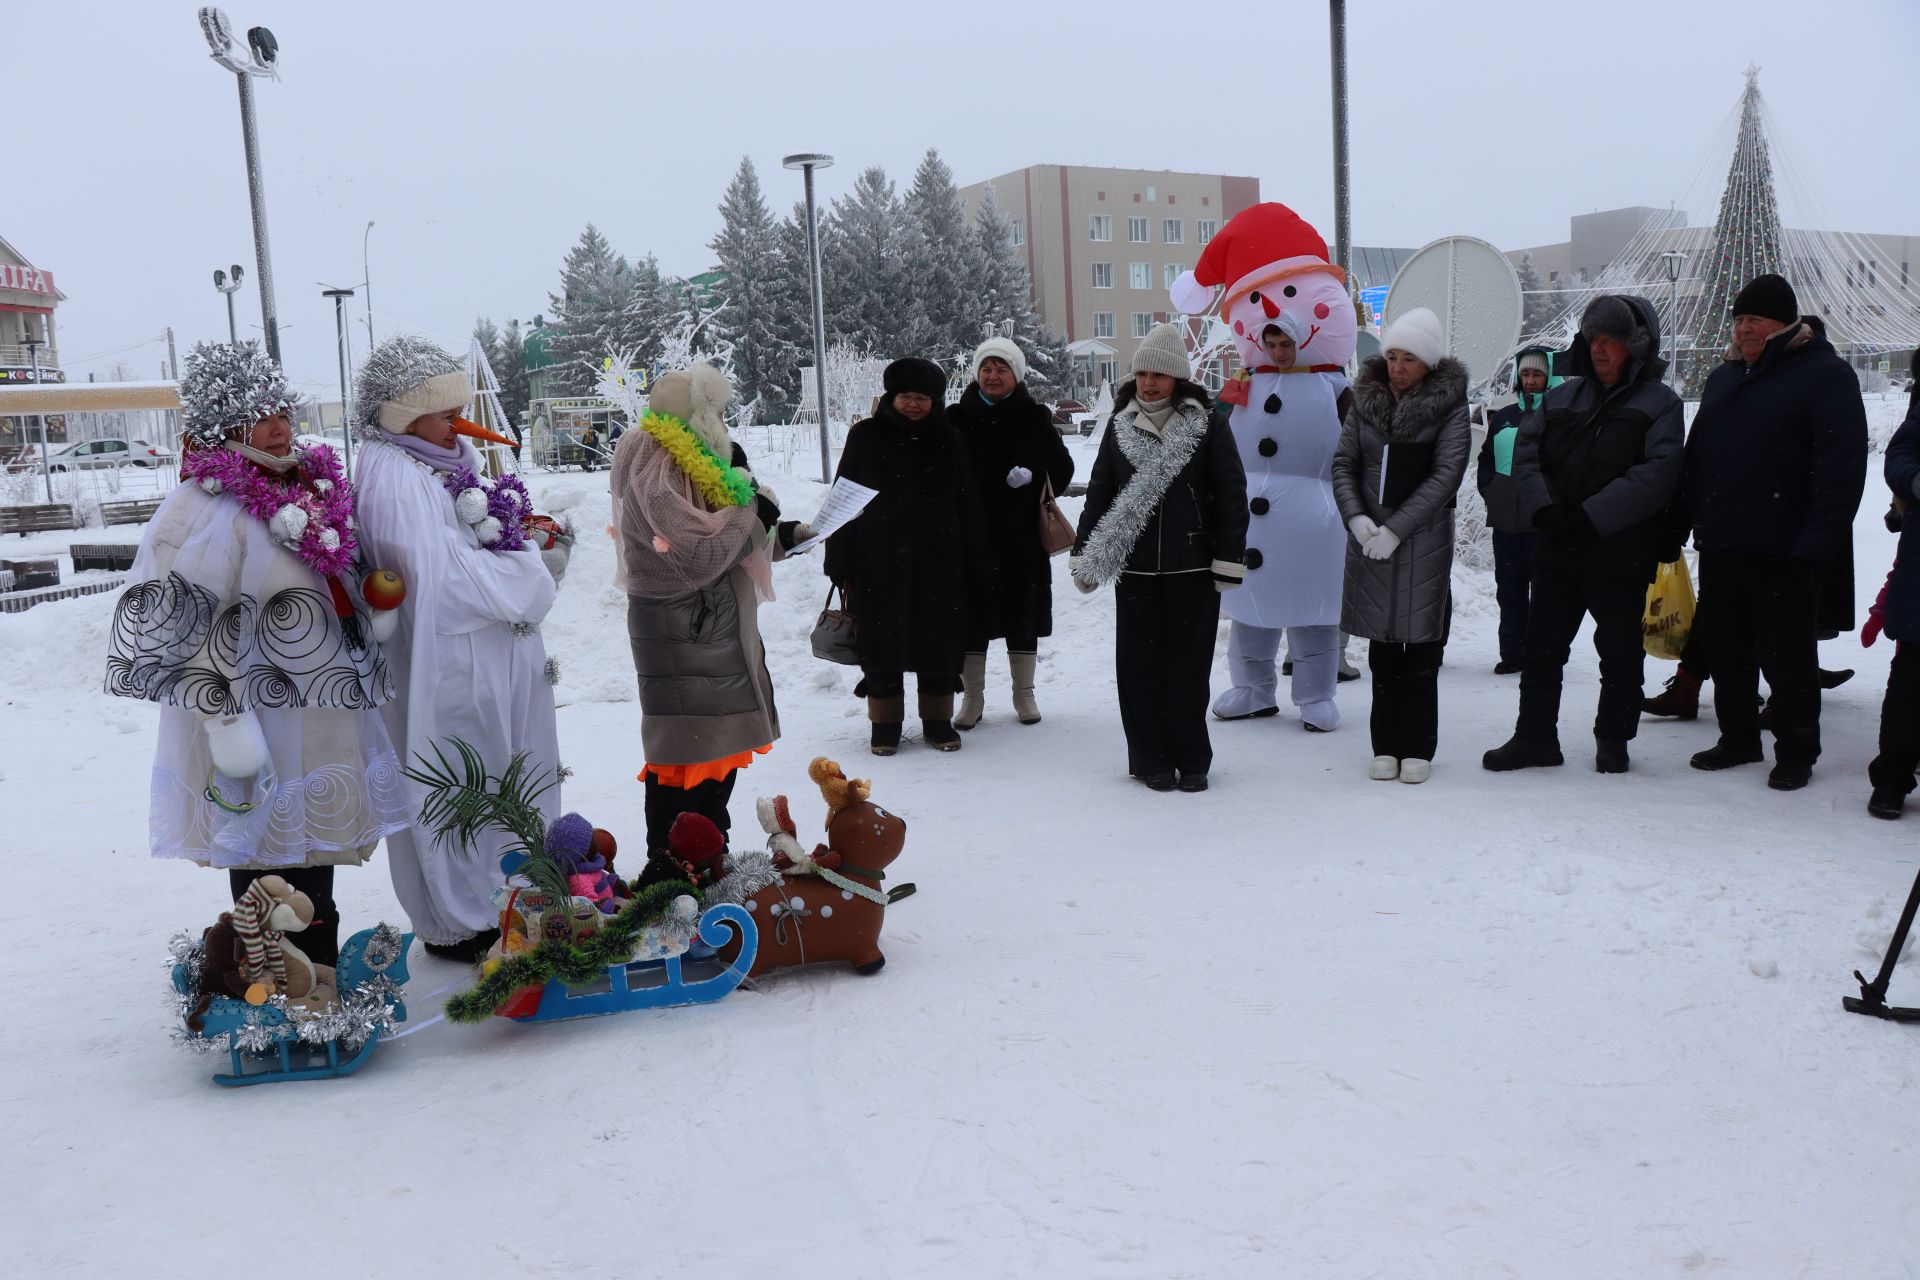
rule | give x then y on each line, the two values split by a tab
887	715
1722	756
1519	753
936	722
1609	755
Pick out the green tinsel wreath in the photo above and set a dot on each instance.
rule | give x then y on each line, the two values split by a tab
572	963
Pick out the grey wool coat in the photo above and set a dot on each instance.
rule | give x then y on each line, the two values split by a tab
1402	599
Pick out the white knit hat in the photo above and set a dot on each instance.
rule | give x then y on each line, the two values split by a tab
1418	333
1000	349
1164	350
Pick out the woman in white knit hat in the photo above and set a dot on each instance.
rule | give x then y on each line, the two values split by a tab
1016	453
1396	474
468	658
1165	521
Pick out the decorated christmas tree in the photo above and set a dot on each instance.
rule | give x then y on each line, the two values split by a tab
1746	242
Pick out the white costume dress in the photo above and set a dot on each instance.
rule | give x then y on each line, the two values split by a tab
220	620
1296	546
468	662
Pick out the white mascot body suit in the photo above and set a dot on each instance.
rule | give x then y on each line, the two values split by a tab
1275	270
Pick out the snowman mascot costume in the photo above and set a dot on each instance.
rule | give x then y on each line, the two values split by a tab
1286	422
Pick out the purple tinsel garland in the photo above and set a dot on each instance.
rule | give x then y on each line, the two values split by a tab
507	502
317	487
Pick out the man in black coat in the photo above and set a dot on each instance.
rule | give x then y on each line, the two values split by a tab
1775	467
1597	468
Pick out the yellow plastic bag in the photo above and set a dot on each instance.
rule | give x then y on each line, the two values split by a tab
1668	618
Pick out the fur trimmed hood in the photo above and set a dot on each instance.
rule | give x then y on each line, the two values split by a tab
698	397
1428	401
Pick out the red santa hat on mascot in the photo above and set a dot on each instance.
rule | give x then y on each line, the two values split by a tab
1260	244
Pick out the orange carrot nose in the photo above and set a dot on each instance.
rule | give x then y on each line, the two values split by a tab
462	427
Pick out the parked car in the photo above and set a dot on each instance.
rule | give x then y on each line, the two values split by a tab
89	455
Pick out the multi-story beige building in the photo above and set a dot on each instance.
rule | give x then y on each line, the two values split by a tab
27	300
1103	245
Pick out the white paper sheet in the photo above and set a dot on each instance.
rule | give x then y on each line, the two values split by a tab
844	501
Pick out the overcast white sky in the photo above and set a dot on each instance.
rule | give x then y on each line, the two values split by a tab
481	137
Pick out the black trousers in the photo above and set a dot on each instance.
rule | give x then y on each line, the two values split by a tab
1406	698
1562	598
1696	659
1764	620
1512	582
1164	631
1899	724
665	803
319	941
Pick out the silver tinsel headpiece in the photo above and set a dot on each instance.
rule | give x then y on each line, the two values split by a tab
229	386
394	368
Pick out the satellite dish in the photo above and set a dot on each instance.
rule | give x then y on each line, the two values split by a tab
1472	287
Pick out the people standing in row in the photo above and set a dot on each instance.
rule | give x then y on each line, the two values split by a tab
1402	455
1775	466
243	620
1597	469
909	566
468	659
694	538
1165	521
1016	454
1513	536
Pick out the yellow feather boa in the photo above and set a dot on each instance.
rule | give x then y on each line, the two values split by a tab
720	482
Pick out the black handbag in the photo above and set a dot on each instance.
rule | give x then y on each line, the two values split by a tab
835	635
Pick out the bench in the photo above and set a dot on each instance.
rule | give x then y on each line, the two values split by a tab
132	511
29	574
103	555
38	517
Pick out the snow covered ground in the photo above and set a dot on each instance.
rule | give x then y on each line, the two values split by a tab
1538	1025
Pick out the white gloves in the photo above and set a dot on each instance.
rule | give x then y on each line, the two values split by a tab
555	558
385	623
239	747
1019	478
1362	529
1381	545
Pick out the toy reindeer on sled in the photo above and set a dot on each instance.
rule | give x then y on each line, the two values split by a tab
826	906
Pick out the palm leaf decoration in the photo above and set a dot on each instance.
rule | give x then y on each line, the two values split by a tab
463	800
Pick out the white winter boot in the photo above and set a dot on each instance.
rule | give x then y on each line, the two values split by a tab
1022	666
1384	769
973	703
1320	717
1415	770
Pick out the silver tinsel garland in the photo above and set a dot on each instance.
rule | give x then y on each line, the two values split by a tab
748	872
392	369
361	1014
553	671
227	387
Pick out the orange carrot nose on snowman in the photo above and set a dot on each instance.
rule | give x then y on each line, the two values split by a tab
462	427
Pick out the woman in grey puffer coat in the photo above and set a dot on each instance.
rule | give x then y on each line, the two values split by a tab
1400	561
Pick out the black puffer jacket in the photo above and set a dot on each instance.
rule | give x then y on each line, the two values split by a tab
1016	596
1777	458
1202	517
909	560
1614	454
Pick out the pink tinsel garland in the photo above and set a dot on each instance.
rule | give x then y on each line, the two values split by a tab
317	488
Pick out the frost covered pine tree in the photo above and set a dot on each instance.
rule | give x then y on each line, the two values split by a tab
596	288
792	294
511	371
1538	309
748	253
652	308
1004	292
949	265
873	298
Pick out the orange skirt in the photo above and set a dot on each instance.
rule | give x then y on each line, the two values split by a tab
688	776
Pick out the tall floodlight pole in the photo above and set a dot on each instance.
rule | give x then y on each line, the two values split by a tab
366	281
1672	259
340	297
228	282
807	162
46	469
1342	207
261	59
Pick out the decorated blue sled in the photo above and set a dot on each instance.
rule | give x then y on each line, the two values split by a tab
657	981
267	1044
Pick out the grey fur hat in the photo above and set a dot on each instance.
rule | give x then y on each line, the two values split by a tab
227	387
403	378
1609	316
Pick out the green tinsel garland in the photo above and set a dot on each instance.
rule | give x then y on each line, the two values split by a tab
572	963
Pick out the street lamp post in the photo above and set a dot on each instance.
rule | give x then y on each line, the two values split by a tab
228	282
1672	260
366	281
340	297
261	59
46	470
807	162
1342	235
